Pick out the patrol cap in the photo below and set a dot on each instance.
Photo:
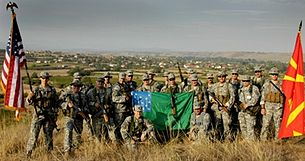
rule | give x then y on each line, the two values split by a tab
245	78
171	76
44	75
76	82
145	76
234	71
122	75
100	79
107	75
210	75
194	77
197	106
77	75
258	68
274	70
221	73
165	74
129	72
150	72
190	71
137	108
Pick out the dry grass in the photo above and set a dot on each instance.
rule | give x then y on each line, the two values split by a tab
14	135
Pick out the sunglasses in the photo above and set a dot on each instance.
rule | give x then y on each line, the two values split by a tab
234	74
257	71
246	81
171	79
274	74
221	76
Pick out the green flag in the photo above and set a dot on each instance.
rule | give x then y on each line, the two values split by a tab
157	108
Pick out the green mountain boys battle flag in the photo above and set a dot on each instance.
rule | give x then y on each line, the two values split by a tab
157	108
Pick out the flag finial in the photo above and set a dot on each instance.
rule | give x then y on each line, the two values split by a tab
300	26
11	5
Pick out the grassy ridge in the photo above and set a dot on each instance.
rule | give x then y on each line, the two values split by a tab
14	136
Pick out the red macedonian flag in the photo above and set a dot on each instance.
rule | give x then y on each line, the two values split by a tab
293	88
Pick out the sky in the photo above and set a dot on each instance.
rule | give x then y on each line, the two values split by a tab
156	25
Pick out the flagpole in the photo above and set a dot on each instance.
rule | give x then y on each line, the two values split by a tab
300	26
11	5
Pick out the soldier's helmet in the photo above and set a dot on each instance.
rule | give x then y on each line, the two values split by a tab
210	75
190	71
151	72
245	78
145	76
137	108
77	75
194	77
122	75
221	73
234	71
129	73
107	75
44	75
197	106
100	79
171	76
76	82
258	68
274	70
165	74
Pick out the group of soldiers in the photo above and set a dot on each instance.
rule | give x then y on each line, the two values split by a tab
242	106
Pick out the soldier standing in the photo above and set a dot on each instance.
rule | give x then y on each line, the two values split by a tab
200	93
74	109
135	129
45	101
210	81
200	124
249	104
172	86
153	82
129	81
165	77
99	116
145	85
224	93
272	104
122	103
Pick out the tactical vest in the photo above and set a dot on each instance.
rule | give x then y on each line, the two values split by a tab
273	97
45	99
133	131
223	98
252	110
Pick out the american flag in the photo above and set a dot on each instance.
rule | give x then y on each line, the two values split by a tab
11	80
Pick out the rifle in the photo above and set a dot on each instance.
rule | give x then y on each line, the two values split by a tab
221	106
103	110
79	112
181	76
173	101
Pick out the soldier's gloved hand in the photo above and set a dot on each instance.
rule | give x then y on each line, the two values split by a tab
263	111
143	137
31	94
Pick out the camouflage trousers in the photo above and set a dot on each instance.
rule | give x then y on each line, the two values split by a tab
102	131
273	114
70	125
36	125
221	126
119	118
247	123
202	132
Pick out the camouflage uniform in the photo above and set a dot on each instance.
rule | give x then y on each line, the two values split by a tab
45	101
132	84
98	114
225	93
74	116
121	98
200	125
272	101
155	84
146	88
171	88
135	130
207	85
200	93
249	98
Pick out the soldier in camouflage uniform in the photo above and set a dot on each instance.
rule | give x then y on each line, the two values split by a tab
45	101
165	77
74	108
272	104
236	83
248	103
210	81
200	95
224	92
121	98
129	80
200	124
172	86
145	85
99	115
258	80
135	129
153	82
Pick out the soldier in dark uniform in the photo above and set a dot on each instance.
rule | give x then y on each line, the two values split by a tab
129	80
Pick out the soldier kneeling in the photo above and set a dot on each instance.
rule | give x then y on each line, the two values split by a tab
137	130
